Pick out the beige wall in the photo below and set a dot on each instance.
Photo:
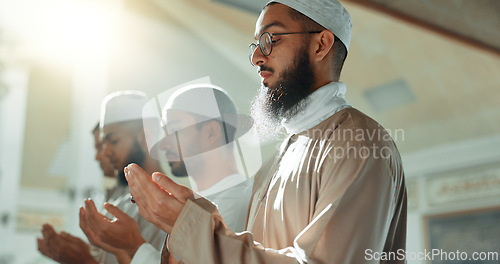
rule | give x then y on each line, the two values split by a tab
455	85
47	125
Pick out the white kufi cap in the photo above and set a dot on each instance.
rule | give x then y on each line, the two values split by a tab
124	106
331	14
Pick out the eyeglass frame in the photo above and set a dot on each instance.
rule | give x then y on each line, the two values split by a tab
253	47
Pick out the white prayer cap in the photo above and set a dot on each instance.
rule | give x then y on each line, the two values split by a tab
124	106
331	14
205	100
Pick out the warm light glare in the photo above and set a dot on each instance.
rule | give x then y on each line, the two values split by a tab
66	30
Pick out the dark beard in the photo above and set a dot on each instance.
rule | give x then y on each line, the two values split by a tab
285	99
136	156
180	170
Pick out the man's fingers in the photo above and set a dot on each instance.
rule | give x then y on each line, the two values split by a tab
153	197
115	211
163	181
83	225
48	228
91	211
42	247
83	220
140	183
92	237
48	231
41	244
69	238
96	240
66	235
133	170
178	191
93	218
90	207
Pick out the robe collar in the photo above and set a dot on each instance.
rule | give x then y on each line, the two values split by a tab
321	104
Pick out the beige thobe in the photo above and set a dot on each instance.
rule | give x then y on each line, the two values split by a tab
333	192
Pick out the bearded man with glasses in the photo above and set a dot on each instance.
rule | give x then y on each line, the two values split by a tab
334	193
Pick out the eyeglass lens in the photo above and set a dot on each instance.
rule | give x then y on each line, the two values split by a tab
265	45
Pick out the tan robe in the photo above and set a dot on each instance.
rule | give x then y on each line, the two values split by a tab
334	193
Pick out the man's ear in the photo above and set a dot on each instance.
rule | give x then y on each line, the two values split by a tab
141	138
214	131
323	43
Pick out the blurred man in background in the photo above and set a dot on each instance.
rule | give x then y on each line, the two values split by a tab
199	142
122	134
107	168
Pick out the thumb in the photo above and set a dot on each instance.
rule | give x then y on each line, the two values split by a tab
115	211
180	192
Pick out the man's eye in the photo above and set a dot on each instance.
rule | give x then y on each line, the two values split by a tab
274	41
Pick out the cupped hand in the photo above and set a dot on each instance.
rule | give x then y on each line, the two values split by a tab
160	200
113	235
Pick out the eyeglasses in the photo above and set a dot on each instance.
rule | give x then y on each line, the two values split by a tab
265	43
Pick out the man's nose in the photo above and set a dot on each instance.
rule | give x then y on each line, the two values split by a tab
258	58
99	152
106	150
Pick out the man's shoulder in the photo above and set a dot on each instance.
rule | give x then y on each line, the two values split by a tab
345	119
353	127
349	118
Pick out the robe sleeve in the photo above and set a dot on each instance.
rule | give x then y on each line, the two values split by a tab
355	211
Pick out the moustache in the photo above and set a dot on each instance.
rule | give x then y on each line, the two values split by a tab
265	68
